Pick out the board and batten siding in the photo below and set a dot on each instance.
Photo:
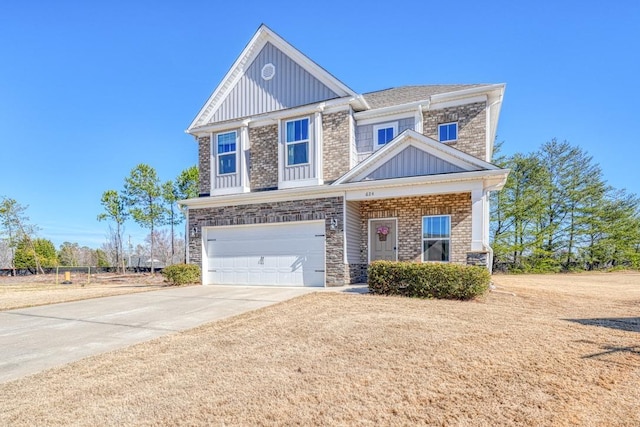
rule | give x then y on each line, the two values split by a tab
291	86
228	180
353	231
413	162
364	135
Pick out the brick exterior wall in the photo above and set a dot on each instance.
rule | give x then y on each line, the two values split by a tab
409	212
204	165
471	120
279	212
336	149
263	173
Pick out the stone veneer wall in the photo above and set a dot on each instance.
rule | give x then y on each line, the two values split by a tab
263	173
204	165
279	212
409	212
336	145
472	131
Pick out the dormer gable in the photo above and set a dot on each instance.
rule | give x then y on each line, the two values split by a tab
413	154
269	75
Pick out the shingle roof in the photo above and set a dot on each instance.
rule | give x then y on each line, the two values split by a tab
406	94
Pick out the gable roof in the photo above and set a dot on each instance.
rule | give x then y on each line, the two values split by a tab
407	94
423	155
267	40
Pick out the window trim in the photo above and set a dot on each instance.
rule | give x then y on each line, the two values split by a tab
228	153
386	125
301	141
448	124
423	239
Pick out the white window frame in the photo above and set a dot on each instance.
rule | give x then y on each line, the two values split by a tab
448	124
302	141
376	128
228	153
423	239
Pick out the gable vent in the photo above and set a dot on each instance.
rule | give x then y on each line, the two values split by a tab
268	71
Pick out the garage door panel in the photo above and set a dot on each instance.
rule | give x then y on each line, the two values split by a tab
284	255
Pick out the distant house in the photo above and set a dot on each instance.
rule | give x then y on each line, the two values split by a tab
304	182
144	263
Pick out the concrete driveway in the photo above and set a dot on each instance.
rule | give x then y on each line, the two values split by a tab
38	338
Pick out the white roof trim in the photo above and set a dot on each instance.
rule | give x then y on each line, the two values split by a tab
427	103
488	179
331	105
412	138
253	48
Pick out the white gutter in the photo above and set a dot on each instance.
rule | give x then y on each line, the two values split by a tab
273	117
489	178
426	103
466	92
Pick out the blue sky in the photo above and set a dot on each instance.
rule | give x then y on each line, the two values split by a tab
90	89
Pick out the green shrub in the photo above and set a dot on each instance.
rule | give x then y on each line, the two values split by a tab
182	274
428	280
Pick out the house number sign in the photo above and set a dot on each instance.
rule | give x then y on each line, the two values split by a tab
368	194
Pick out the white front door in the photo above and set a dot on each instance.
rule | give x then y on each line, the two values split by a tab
289	254
383	239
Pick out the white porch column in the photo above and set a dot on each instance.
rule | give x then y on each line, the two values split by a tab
479	219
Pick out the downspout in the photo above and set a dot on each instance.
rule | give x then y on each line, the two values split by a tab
186	235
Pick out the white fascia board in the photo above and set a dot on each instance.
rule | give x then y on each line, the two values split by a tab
407	114
495	105
427	103
232	75
408	108
452	153
397	150
467	92
413	190
437	105
270	196
330	106
445	152
422	185
263	36
433	184
305	62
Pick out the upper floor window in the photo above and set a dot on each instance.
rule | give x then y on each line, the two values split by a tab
436	238
297	141
226	152
384	133
448	132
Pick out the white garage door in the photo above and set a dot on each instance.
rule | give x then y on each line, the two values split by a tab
290	254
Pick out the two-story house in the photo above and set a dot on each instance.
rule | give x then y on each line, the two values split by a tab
304	182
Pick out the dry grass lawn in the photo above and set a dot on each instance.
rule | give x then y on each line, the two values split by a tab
30	291
544	350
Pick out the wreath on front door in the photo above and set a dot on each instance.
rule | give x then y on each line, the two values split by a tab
382	232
